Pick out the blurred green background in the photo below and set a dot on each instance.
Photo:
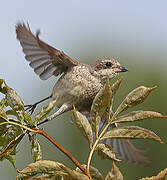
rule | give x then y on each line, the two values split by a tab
134	32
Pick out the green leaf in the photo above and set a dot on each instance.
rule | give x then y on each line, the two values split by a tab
134	98
28	118
10	149
139	115
45	111
11	112
11	134
94	172
131	132
106	152
15	102
114	89
75	175
101	102
3	119
36	151
4	103
11	159
2	140
45	166
161	176
116	85
114	174
83	125
3	116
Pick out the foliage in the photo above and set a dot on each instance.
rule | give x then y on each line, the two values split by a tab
161	176
15	124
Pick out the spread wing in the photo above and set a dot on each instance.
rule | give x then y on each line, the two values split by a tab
44	59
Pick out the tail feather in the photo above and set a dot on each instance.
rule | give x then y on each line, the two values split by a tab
123	148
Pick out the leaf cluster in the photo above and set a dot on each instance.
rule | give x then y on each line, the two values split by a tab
14	121
97	127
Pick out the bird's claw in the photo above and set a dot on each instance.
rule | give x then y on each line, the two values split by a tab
30	108
31	126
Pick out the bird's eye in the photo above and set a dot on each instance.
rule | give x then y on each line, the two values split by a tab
108	64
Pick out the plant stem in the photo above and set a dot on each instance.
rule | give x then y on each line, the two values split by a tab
3	123
97	140
43	133
20	125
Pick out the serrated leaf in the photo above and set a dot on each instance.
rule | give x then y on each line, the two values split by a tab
83	125
36	151
106	152
45	166
45	111
15	102
131	132
100	103
137	96
114	174
139	115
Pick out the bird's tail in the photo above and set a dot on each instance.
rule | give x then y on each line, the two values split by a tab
126	151
123	148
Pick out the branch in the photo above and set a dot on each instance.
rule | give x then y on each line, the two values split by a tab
43	133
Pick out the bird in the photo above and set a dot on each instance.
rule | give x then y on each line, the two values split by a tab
78	83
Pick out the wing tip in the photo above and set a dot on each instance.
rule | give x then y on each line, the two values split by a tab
22	28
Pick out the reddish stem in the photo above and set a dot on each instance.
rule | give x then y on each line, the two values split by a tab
43	133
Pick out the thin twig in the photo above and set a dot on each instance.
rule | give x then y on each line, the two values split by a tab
43	133
96	142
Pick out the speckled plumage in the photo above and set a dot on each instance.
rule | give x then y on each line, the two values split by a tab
78	85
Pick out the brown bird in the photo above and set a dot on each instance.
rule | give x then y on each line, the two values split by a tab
78	84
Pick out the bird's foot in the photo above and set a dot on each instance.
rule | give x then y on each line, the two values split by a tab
31	126
30	108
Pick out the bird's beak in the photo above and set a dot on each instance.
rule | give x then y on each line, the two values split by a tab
122	69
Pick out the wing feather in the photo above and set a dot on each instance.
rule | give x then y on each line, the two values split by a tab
44	59
48	72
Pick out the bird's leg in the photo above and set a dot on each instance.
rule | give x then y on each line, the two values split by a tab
61	110
30	108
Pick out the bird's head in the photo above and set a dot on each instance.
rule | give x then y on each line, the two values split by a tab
106	68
